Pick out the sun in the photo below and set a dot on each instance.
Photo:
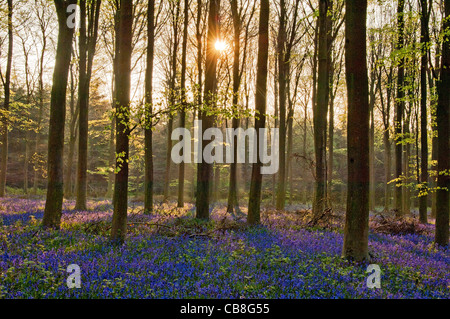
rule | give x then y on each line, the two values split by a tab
220	45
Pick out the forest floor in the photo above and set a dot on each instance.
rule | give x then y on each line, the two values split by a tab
171	255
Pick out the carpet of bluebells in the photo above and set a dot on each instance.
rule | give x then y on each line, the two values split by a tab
171	255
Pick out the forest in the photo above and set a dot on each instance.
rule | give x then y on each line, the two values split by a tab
224	149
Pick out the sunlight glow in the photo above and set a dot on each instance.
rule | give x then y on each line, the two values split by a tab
220	45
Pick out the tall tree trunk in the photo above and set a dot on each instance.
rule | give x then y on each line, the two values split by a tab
41	109
25	163
198	34
314	92
232	193
424	40
282	82
304	166
88	41
320	112
172	98
276	124
330	140
290	146
399	106
83	100
183	100
122	99
72	137
443	145
406	207
254	201
204	171
356	231
27	133
55	187
387	169
385	108
111	159
372	156
4	114
148	191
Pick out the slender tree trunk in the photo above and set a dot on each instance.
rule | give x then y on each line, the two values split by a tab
387	169
25	163
290	146
305	122
254	202
443	145
199	78
314	91
72	137
55	187
204	171
27	130
356	231
424	40
320	112
232	193
88	41
41	110
276	124
406	207
282	82
399	106
83	99
330	144
4	115
183	100
372	158
112	158
148	191
122	98
172	99
385	107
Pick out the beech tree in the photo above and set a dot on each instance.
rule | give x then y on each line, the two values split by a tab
6	80
148	180
55	185
356	231
87	43
320	111
443	146
424	41
254	202
204	171
399	109
122	114
183	98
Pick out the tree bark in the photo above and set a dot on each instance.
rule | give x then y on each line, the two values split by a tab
183	100
4	114
88	41
356	231
204	171
424	40
282	87
41	104
74	107
172	98
254	201
320	112
148	191
443	145
122	98
233	204
55	187
399	106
